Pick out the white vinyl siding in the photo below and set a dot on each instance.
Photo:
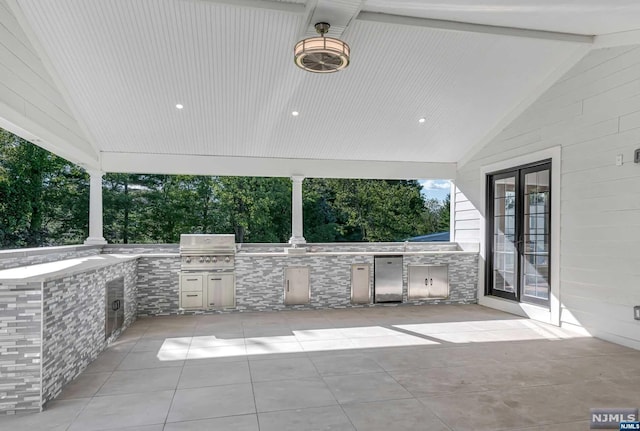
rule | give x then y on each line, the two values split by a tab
593	113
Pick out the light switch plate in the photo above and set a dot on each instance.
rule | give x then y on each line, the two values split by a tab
636	312
619	160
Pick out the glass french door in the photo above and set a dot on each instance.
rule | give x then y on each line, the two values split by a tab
519	233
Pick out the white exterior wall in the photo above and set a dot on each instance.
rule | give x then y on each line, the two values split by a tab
592	114
29	98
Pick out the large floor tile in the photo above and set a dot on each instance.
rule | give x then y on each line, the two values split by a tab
434	381
365	387
57	416
311	419
141	381
570	426
265	348
396	415
221	373
211	402
209	341
84	386
375	382
142	360
106	361
227	351
266	331
158	344
282	369
122	345
157	427
123	410
229	423
336	365
292	394
480	411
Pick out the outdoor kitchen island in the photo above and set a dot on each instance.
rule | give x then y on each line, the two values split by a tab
270	277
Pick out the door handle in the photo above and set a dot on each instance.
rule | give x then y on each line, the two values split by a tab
426	281
431	281
215	279
192	279
287	285
114	305
191	296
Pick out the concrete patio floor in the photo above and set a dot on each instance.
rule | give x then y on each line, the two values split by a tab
385	368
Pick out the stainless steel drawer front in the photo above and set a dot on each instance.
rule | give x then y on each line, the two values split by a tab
388	278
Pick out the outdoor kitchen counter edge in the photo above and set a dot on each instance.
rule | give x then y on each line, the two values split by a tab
357	253
66	268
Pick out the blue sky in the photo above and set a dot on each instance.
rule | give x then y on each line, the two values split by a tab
438	189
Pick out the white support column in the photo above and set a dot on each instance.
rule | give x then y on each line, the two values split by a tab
296	211
95	208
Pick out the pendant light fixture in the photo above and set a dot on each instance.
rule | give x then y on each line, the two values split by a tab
321	54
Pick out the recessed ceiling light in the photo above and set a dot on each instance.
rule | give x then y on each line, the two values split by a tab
295	113
179	106
422	120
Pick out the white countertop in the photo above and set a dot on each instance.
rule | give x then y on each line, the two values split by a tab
61	268
65	268
355	253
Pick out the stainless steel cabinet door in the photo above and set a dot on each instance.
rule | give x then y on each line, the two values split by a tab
221	291
418	281
296	285
360	284
428	281
388	278
439	281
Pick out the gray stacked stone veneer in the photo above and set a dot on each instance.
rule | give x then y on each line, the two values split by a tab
33	256
52	329
74	322
158	285
20	341
140	248
260	280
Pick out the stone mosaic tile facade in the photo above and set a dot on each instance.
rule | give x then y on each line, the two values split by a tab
260	281
33	256
140	248
74	322
50	331
20	340
158	285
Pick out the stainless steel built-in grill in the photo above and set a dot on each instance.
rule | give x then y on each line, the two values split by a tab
207	252
207	279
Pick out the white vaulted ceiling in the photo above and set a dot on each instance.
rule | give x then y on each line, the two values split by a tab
125	64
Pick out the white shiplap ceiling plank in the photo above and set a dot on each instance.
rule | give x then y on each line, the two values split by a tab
127	63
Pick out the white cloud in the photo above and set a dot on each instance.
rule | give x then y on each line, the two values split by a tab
435	184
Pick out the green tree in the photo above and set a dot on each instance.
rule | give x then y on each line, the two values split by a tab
254	209
27	174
